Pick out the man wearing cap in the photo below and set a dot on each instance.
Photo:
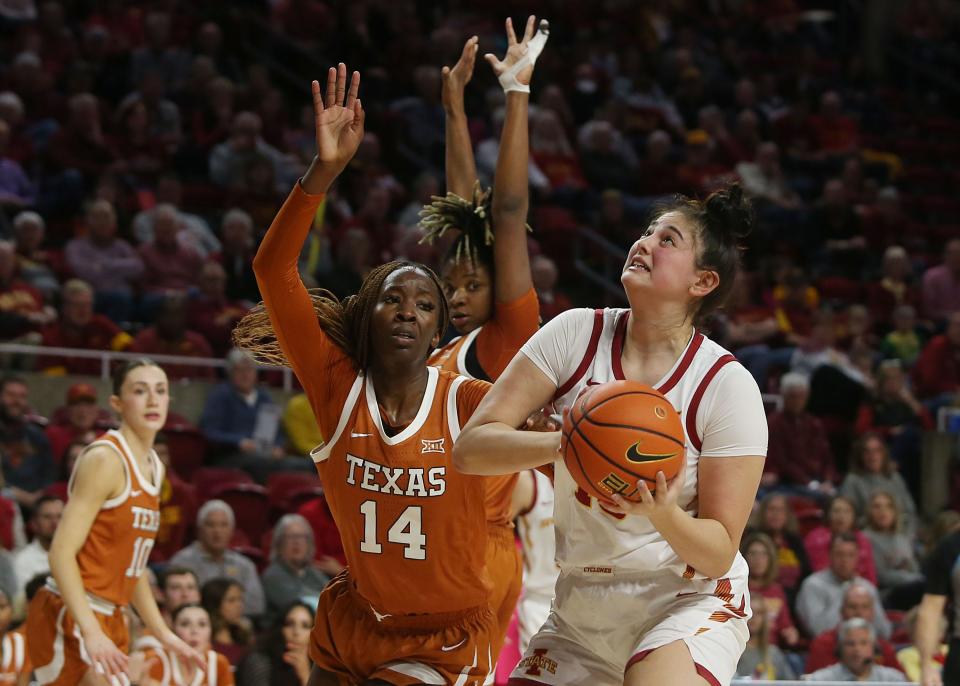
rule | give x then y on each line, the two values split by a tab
24	449
81	419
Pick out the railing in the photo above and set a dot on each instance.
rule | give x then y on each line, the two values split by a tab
107	357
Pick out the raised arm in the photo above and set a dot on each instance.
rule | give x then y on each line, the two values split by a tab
511	184
339	128
460	166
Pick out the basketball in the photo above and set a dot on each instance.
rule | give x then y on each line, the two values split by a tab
618	433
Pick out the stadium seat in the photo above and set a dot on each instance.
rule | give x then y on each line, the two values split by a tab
208	480
808	512
188	449
250	507
284	487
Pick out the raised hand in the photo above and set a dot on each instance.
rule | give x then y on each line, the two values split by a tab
516	68
338	118
455	80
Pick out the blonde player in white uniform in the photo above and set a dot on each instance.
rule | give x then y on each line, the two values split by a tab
537	536
653	592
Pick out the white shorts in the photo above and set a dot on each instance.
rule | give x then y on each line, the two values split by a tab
603	623
532	611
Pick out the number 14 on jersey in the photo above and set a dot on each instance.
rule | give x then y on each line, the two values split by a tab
406	531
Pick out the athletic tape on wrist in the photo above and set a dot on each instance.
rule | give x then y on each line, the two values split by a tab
508	79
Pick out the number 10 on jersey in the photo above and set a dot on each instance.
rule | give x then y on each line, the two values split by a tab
406	531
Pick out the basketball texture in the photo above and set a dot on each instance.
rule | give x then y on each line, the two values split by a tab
618	433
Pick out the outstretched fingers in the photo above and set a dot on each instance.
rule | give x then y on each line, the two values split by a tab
354	90
511	36
530	28
331	87
317	97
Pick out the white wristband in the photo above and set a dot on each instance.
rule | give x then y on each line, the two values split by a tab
508	79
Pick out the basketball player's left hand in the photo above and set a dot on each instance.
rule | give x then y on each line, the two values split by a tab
515	51
177	645
652	505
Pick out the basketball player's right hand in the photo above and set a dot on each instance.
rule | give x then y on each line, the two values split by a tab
104	655
338	119
515	51
455	80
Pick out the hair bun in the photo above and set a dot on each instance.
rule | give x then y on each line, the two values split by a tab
729	214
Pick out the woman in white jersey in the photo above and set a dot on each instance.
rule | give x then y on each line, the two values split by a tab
653	592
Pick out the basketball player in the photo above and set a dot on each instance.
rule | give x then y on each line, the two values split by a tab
486	275
535	526
412	606
75	627
652	592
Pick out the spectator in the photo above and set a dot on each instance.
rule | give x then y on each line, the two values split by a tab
291	575
898	573
82	416
22	311
281	657
841	519
210	556
821	594
762	659
857	652
24	449
836	133
420	122
243	423
858	602
168	265
223	598
941	285
608	160
903	343
330	557
936	376
700	173
763	179
872	469
80	145
36	266
554	155
657	173
195	233
761	554
178	506
611	220
354	260
835	223
179	586
300	425
157	54
895	287
552	300
108	263
141	155
373	219
229	160
161	116
192	623
942	584
236	231
210	312
775	518
16	190
799	454
170	336
32	558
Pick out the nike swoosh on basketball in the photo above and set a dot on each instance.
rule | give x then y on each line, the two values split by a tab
353	434
447	649
635	455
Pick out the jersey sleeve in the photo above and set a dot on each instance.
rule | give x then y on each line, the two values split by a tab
731	421
469	395
558	347
512	325
324	369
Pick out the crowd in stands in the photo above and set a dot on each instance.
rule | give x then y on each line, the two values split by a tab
145	147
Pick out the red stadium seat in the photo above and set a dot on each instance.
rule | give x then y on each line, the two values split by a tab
188	449
209	480
282	487
250	507
808	512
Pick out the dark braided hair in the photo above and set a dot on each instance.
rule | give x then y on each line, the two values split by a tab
346	322
724	220
471	218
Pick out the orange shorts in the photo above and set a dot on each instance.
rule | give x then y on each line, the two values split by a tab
505	569
54	642
349	642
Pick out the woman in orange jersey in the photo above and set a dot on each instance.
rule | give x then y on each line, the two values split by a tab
76	632
165	668
486	276
412	606
14	661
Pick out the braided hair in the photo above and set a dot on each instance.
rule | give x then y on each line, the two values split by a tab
346	322
471	218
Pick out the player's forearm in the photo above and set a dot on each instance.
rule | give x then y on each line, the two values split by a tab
66	573
146	606
704	544
928	628
461	168
496	448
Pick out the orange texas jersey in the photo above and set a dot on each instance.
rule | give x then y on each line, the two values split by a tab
413	528
118	546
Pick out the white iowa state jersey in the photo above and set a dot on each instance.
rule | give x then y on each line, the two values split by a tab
537	535
715	396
